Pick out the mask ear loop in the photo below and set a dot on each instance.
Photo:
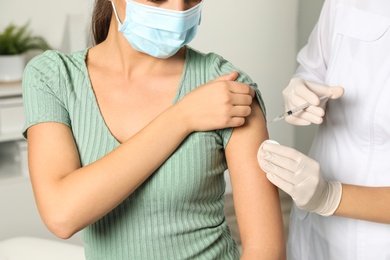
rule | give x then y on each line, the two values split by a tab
116	15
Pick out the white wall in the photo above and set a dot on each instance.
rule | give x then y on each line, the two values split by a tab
309	11
47	17
258	36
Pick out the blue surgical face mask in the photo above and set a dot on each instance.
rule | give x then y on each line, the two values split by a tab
156	31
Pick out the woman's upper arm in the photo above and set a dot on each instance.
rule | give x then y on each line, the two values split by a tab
256	199
52	154
51	148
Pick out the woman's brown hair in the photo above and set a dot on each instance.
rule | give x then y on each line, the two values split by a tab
101	18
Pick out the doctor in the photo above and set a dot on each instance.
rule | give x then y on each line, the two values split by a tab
342	191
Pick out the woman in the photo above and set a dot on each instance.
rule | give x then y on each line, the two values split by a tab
128	141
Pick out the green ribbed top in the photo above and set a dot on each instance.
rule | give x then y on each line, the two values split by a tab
178	212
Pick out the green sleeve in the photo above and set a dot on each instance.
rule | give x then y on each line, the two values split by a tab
42	85
220	67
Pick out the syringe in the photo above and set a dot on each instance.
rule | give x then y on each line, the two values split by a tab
294	110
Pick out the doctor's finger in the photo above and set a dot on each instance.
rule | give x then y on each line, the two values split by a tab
294	101
314	115
314	110
293	120
280	183
306	93
283	151
283	173
320	89
302	122
336	92
273	162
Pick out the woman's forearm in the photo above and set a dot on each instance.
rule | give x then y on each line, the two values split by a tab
73	200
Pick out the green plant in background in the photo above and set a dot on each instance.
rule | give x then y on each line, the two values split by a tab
17	40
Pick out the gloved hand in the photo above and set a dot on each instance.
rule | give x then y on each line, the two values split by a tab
300	177
299	92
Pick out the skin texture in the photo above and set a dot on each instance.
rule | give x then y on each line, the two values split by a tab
134	87
256	199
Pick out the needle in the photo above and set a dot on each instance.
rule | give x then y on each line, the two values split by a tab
294	110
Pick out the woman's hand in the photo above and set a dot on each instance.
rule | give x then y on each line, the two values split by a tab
218	104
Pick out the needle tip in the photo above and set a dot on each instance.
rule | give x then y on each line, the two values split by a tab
276	119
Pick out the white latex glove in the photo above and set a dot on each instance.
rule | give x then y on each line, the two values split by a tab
300	177
299	92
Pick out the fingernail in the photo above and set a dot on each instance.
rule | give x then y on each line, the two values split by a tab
267	155
267	166
264	155
267	142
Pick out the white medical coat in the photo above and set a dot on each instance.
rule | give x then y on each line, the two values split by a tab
349	47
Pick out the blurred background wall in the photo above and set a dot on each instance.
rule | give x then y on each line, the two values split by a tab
260	37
